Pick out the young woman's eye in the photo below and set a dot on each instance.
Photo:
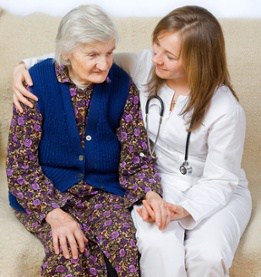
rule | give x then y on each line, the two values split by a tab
170	58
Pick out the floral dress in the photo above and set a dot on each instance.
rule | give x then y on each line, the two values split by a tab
104	217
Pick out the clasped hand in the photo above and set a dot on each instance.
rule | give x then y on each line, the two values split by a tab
155	209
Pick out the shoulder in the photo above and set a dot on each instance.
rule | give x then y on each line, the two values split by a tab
116	71
143	70
224	105
224	101
44	63
43	66
44	77
144	61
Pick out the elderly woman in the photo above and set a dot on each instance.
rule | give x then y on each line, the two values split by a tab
77	161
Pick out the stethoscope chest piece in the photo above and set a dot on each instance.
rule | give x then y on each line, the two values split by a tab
185	168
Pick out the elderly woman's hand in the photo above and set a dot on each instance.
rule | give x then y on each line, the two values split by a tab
66	231
21	77
154	210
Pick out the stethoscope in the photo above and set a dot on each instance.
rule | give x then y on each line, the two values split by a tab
185	168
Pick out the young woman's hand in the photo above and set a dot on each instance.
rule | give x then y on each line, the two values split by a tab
66	233
155	210
176	212
21	78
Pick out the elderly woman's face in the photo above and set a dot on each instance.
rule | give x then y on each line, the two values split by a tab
90	63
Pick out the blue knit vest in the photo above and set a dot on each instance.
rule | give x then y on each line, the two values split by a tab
61	156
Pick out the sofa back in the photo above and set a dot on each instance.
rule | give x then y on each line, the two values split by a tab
34	35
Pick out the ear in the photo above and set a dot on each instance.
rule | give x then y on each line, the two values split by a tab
66	56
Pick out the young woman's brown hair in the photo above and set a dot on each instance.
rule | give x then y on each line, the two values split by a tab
202	54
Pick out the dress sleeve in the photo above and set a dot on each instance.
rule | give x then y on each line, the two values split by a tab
137	169
26	181
222	169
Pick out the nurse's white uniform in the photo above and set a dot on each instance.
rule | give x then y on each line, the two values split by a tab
215	194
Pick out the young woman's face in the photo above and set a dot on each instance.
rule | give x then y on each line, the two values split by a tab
168	64
90	63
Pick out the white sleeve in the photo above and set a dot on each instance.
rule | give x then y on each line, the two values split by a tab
222	169
130	62
137	65
29	62
127	61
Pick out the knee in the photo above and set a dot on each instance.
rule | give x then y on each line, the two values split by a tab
155	241
206	263
56	265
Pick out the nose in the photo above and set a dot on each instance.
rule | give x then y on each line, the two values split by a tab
157	58
103	63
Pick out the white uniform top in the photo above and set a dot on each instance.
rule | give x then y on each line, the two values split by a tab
215	149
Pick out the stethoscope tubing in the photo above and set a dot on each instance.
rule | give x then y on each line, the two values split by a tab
162	108
184	168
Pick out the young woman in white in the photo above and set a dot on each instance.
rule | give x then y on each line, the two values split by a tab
208	208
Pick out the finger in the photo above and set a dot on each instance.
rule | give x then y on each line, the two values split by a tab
20	97
139	211
28	78
56	244
144	214
164	216
73	246
156	213
81	240
17	104
149	210
27	93
21	92
174	211
171	207
64	247
167	218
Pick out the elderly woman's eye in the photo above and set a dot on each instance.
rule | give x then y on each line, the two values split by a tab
92	55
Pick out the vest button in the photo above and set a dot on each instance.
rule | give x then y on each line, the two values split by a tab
88	138
81	157
80	175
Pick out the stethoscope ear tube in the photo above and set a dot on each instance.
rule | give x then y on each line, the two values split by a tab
161	105
152	149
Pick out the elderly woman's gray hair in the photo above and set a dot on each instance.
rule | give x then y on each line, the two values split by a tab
85	24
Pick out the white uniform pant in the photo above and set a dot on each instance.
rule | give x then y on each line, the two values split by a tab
207	250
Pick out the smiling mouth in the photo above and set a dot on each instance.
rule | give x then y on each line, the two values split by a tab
160	68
